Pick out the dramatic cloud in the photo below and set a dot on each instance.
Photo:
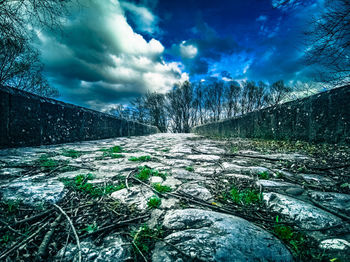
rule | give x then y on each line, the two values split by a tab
112	51
100	59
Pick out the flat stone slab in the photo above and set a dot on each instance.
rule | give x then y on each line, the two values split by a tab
137	196
212	236
113	249
275	184
33	190
332	200
305	215
196	190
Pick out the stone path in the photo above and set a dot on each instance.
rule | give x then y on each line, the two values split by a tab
220	208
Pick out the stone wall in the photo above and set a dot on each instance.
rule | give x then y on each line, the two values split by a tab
29	120
323	117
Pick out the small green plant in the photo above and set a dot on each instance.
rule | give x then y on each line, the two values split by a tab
80	183
289	236
72	153
264	175
111	155
90	228
140	159
12	205
113	149
154	202
144	239
5	238
160	188
165	150
279	175
46	162
234	149
190	168
246	197
144	173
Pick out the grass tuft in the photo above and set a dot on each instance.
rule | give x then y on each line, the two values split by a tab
246	196
140	159
154	202
145	173
190	168
264	175
160	188
72	153
80	183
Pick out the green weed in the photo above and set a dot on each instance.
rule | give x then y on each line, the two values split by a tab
289	236
72	153
264	175
144	239
46	162
140	159
154	202
160	188
113	149
190	168
246	196
144	173
80	183
90	228
12	205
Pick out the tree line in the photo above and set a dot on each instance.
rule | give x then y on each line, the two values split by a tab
190	104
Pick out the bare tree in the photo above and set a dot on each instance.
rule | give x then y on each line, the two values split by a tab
232	93
19	62
155	105
329	42
179	107
214	99
278	92
20	67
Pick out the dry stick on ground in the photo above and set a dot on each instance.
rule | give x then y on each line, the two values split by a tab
123	223
47	238
73	229
32	218
126	179
23	242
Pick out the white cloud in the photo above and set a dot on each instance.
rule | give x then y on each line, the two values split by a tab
188	50
107	57
145	21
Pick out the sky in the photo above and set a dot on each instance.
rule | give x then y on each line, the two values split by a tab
111	51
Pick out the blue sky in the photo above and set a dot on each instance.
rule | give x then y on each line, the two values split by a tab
112	51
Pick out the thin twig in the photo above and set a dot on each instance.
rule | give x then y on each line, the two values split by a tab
123	223
73	229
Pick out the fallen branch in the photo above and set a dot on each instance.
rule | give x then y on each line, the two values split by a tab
32	218
73	229
47	238
126	179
